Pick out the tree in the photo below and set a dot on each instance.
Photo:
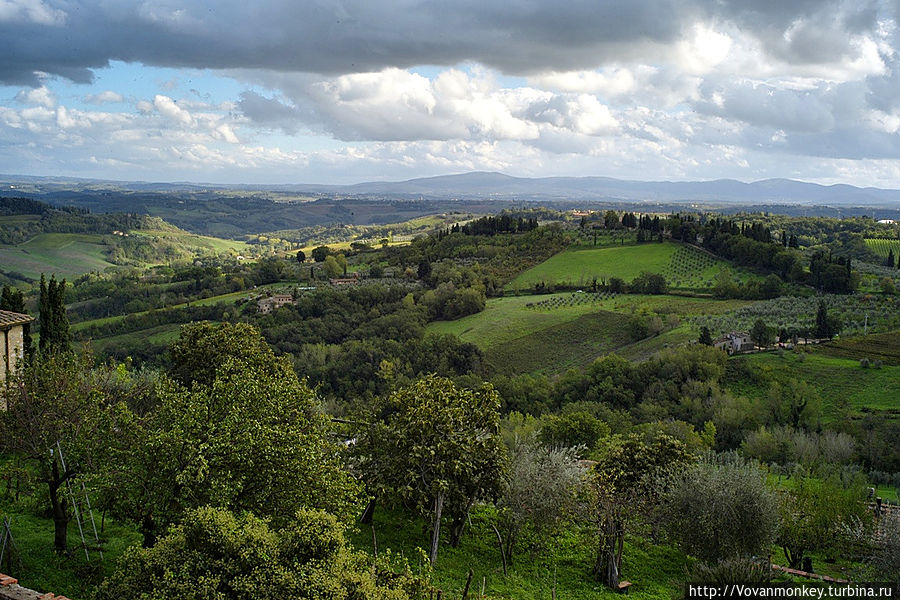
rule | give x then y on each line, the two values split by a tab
826	325
573	429
320	252
542	487
721	509
331	266
214	553
761	334
54	400
54	324
301	256
627	488
242	433
438	448
705	336
813	510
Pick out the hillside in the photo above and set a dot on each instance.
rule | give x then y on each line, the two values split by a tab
38	238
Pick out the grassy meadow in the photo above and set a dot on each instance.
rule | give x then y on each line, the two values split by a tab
66	254
684	267
551	333
843	385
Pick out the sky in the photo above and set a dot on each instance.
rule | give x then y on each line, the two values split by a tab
344	91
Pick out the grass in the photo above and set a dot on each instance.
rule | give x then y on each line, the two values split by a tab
841	383
516	337
684	267
204	244
879	346
579	265
564	561
38	567
66	254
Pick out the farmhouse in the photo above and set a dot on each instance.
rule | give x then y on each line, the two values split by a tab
267	305
12	340
734	342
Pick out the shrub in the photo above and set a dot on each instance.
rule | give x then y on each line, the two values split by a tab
731	570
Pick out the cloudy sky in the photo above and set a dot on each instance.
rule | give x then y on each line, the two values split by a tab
341	91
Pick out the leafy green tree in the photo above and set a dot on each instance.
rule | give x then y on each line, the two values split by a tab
301	256
827	326
54	324
438	448
542	488
813	511
705	336
331	266
320	252
246	435
721	509
57	398
761	334
573	429
628	488
214	553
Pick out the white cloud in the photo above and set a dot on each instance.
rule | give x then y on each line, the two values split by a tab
40	96
104	97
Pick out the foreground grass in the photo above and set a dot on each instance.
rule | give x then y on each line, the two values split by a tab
37	566
562	562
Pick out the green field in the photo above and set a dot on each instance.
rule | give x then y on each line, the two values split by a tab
202	244
883	247
517	335
841	382
66	254
684	267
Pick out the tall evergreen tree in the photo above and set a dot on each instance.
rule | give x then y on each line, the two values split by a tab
52	316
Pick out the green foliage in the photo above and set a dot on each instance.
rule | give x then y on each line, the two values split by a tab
203	348
541	490
571	430
319	253
812	512
648	283
721	510
735	570
761	334
247	435
214	553
432	443
53	322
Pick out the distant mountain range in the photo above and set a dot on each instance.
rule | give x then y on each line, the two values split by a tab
497	186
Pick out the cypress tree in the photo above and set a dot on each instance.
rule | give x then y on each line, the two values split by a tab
53	320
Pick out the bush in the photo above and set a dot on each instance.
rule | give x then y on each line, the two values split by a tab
721	509
731	570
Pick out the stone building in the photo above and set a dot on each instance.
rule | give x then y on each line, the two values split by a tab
12	340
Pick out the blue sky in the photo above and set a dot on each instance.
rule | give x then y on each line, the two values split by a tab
341	91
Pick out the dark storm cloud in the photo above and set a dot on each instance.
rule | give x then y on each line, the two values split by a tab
70	37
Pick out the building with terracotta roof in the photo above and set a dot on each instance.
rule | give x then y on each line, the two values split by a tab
12	340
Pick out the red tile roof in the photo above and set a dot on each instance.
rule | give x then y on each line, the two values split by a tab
8	319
